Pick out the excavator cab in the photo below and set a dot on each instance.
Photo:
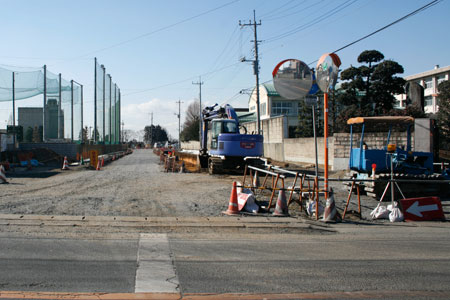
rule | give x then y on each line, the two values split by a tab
221	127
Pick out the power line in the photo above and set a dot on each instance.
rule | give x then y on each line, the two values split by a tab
273	11
313	21
157	30
277	15
432	3
303	9
180	81
426	6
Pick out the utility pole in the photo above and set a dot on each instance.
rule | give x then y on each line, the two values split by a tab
255	66
200	83
151	130
179	123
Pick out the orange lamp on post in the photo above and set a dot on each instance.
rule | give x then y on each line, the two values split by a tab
327	71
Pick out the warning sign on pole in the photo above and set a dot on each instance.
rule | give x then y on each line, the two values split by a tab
422	209
93	155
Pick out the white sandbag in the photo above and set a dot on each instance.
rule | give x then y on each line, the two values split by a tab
311	208
380	212
396	214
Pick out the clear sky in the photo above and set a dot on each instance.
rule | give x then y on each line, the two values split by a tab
154	50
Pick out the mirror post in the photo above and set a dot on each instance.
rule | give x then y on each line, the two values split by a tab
325	137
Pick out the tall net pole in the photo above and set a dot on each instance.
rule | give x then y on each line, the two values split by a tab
109	117
60	120
95	100
104	86
82	112
71	109
14	107
120	133
44	129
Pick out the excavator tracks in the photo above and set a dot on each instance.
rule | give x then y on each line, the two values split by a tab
215	166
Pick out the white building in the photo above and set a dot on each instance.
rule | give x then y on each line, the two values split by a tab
271	104
429	80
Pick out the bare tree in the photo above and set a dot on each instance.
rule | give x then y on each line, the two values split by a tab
192	113
191	123
127	135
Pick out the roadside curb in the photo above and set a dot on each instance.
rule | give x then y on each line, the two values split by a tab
159	223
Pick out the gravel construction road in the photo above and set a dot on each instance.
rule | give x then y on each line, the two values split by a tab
134	185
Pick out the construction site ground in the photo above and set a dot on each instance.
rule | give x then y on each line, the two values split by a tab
137	186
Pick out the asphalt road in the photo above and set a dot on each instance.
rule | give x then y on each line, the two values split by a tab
135	230
358	260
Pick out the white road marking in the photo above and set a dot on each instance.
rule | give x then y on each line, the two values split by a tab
155	272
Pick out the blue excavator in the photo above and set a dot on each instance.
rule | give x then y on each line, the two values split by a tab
226	149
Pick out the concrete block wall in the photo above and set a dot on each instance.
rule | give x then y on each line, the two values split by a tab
303	150
274	129
190	145
373	140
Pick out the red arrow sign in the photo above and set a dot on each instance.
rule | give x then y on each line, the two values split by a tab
422	209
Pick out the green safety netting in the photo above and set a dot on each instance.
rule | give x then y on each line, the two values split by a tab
62	110
117	112
99	125
57	109
107	105
113	115
108	109
26	84
77	113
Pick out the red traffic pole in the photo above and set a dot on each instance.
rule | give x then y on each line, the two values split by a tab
325	136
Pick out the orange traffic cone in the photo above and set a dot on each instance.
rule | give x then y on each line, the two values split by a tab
99	165
281	209
103	161
233	204
3	175
65	164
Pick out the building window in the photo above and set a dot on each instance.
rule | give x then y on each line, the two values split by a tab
262	108
440	79
281	108
252	108
428	100
428	83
